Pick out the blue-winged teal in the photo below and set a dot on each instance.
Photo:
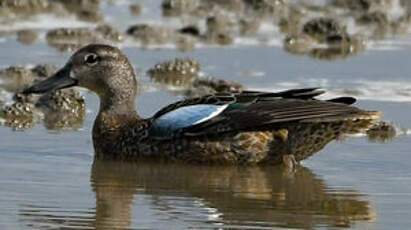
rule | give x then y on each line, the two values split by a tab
245	127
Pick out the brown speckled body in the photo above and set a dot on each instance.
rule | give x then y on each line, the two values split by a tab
130	140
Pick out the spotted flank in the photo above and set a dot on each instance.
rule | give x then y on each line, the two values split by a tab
244	127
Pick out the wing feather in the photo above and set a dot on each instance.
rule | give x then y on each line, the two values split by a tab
242	97
252	110
183	117
271	114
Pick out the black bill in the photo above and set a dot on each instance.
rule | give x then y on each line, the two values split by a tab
59	80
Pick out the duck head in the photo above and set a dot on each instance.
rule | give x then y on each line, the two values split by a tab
102	69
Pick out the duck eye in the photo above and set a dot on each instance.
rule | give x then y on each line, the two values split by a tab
91	59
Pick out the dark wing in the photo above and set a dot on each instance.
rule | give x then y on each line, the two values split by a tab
251	110
271	114
242	97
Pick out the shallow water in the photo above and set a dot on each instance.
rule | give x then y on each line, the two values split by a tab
48	179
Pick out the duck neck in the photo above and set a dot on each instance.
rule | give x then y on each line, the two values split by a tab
117	110
115	103
116	116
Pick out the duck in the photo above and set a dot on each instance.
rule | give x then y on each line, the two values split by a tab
242	127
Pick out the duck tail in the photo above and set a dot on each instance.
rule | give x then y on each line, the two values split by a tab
353	123
361	122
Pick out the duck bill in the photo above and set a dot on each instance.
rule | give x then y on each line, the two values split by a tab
59	80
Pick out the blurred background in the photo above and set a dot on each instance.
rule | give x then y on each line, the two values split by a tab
186	48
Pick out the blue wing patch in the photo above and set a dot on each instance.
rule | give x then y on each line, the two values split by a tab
184	117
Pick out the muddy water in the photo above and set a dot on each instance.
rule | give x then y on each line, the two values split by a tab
48	179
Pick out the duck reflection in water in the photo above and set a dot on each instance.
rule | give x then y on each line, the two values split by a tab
213	195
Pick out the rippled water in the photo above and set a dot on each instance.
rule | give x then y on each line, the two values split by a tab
48	179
